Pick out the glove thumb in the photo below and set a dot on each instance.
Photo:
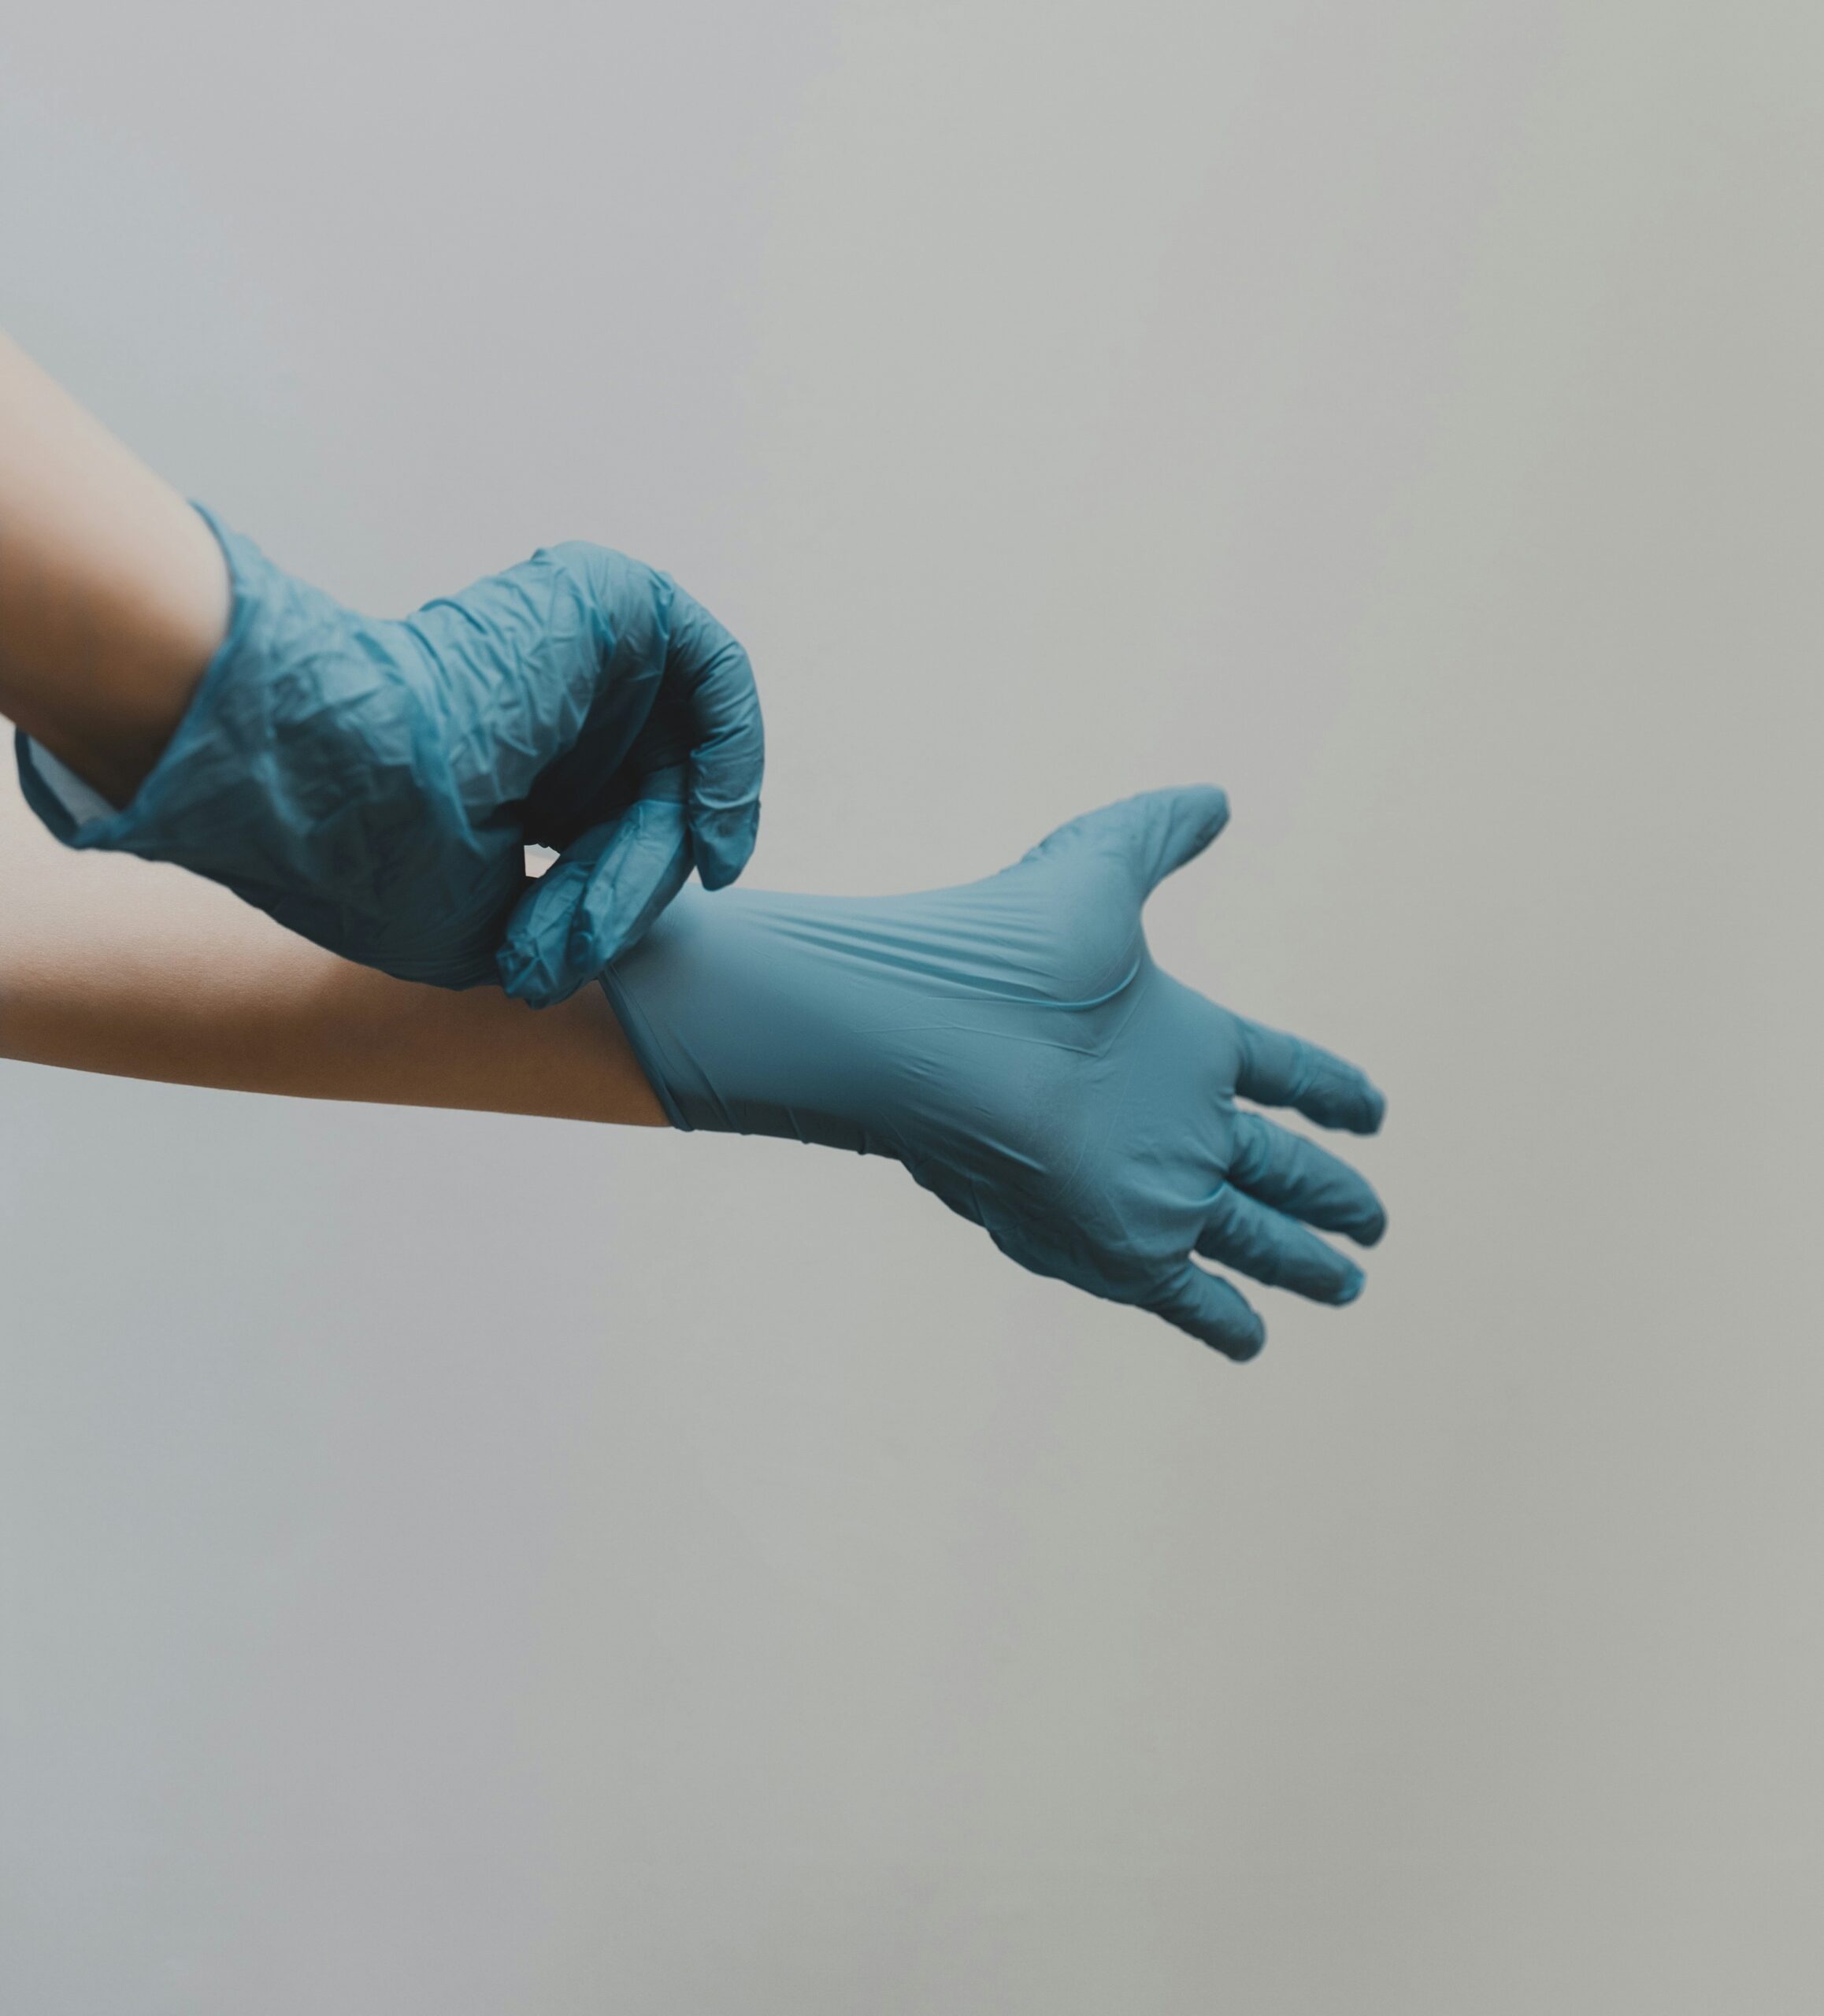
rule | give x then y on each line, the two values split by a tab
1153	834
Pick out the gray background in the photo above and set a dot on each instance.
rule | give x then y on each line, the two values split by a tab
463	1564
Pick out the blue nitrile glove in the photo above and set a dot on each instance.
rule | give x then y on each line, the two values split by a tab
1012	1043
372	784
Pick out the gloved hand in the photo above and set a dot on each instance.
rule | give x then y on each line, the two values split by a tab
372	784
1012	1043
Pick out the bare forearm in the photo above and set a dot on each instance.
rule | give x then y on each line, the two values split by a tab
113	593
111	965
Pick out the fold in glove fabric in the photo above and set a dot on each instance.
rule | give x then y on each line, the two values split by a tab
1013	1044
372	784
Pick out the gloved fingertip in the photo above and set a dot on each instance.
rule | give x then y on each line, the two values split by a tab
1159	831
526	985
1214	813
723	843
1352	1285
529	971
1243	1351
517	985
1374	1110
1373	1228
556	989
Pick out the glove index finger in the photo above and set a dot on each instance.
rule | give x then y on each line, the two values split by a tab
715	680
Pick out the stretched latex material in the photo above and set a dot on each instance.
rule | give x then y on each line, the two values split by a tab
372	784
1013	1044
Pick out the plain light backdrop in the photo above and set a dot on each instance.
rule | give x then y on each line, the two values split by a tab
452	1565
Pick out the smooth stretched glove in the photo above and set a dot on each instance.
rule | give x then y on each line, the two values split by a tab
372	784
1012	1043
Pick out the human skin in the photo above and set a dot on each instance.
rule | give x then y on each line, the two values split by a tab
114	964
113	593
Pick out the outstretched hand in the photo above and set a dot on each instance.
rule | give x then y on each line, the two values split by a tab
1013	1044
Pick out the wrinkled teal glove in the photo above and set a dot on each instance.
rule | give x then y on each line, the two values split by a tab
1012	1043
372	784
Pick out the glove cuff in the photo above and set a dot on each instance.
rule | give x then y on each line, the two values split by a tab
642	1039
